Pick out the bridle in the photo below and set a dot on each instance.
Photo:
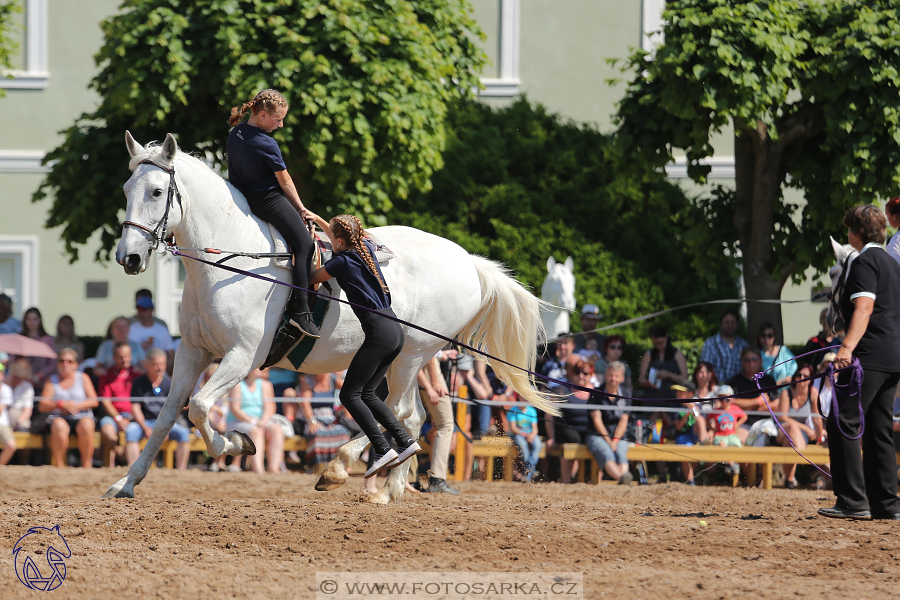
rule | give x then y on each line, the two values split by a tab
159	233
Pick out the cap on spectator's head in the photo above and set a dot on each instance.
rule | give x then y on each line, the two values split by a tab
724	390
687	387
590	310
827	359
464	362
144	302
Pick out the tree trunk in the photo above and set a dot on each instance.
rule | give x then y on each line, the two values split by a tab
757	189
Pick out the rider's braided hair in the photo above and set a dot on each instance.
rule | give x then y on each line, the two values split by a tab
267	100
349	229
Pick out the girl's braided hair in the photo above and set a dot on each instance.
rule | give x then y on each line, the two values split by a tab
348	228
267	100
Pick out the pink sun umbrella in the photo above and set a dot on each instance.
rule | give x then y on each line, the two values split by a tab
20	345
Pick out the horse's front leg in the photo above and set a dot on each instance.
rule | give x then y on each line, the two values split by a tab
188	366
335	474
233	368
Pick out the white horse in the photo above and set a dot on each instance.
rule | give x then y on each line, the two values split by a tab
558	294
435	284
842	254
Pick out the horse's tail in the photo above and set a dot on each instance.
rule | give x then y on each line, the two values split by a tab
508	325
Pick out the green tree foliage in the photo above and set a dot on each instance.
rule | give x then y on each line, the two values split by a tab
368	82
520	184
811	92
8	45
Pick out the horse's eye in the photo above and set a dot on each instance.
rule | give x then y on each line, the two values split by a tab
157	193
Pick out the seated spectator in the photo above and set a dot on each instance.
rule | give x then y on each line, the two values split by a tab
608	448
324	433
523	430
798	413
252	407
115	333
284	382
218	418
723	350
826	338
690	427
572	426
774	354
748	394
590	352
662	366
115	394
145	293
705	382
19	380
725	423
555	368
148	333
153	389
68	400
613	347
41	367
66	338
8	323
6	433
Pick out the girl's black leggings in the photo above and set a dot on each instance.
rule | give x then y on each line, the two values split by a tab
273	207
384	341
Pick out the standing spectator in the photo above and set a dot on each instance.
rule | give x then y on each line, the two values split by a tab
41	367
607	447
590	317
572	426
68	398
723	350
6	432
473	374
324	433
798	414
436	398
726	422
892	212
19	380
690	427
148	333
153	389
115	391
252	406
523	430
117	332
66	338
870	304
145	293
613	347
8	323
555	368
748	395
826	338
774	354
663	365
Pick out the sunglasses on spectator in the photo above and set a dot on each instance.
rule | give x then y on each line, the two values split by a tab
584	372
615	347
65	360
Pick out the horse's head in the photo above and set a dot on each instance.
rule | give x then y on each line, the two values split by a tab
153	207
559	286
842	254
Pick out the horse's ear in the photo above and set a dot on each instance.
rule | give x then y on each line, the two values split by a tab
169	148
570	265
551	262
838	248
133	146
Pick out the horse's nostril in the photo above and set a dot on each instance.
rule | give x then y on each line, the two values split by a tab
132	261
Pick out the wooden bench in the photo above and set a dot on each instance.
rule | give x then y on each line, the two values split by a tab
752	455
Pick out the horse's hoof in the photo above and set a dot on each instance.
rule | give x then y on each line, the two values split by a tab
242	441
124	494
381	497
116	489
326	485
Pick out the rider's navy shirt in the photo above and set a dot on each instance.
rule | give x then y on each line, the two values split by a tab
253	159
357	280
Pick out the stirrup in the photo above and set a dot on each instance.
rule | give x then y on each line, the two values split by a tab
286	336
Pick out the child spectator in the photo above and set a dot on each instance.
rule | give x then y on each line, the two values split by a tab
726	418
115	391
19	380
523	430
690	427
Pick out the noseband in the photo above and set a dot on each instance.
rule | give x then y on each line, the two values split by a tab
159	233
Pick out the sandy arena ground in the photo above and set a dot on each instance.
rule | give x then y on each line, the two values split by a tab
196	534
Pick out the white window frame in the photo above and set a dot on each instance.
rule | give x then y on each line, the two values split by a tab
35	45
22	161
508	84
651	24
722	167
168	293
27	247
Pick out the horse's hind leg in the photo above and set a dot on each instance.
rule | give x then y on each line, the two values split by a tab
233	368
335	474
395	484
188	366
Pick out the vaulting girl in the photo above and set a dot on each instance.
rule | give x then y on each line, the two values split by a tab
355	268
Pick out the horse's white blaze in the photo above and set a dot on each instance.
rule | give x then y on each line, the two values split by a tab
434	284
